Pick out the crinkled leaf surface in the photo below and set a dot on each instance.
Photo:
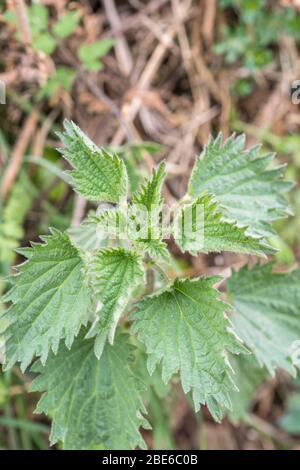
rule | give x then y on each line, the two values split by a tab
97	175
149	194
157	249
252	194
88	236
267	313
149	198
112	221
66	24
93	402
117	273
185	329
50	300
200	227
140	221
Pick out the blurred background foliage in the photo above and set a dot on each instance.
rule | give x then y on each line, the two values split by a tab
149	79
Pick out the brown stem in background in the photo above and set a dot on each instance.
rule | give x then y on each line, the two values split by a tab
209	16
41	135
130	110
79	210
123	53
18	152
22	21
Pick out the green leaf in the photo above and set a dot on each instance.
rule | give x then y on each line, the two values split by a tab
133	171
92	402
50	300
38	22
147	202
94	65
267	313
87	235
124	225
10	17
200	227
184	327
117	273
45	43
249	375
97	175
113	221
290	421
12	216
251	194
38	18
140	221
89	54
66	24
149	194
62	78
156	249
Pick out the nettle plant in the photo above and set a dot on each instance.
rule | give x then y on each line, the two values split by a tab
106	322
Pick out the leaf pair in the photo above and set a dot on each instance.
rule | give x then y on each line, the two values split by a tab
91	400
52	299
237	196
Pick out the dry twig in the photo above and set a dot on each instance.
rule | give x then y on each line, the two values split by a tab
18	152
22	21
